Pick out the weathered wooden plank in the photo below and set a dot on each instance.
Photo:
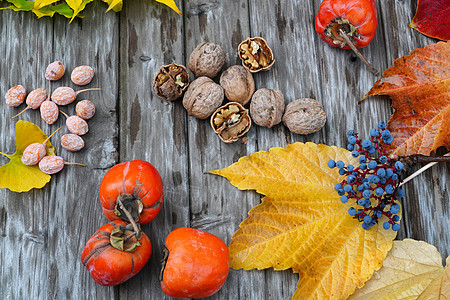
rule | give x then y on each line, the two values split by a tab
426	211
23	216
216	206
151	128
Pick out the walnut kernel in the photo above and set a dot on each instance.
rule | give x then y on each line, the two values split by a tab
267	107
202	97
304	116
238	84
207	59
231	121
255	54
171	81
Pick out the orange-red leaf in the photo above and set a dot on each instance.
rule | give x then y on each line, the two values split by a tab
432	19
419	85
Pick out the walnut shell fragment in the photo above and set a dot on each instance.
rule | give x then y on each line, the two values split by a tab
255	54
231	121
304	116
203	97
207	59
238	84
171	81
267	107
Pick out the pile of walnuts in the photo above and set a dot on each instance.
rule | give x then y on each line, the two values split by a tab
203	97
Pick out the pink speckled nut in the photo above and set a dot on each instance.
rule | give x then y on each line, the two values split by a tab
15	96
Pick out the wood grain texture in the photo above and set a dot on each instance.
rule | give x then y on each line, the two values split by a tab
43	232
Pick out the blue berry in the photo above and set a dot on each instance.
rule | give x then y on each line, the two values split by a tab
389	189
360	188
351	132
388	140
362	159
379	191
351	178
365	226
331	164
363	166
371	150
383	159
381	172
361	202
359	211
396	227
378	214
383	180
385	134
394	177
386	225
341	172
366	185
341	192
337	186
367	204
350	147
340	164
399	165
381	125
389	173
352	139
366	144
382	205
374	132
395	208
344	199
372	164
347	188
352	211
396	218
366	194
355	153
374	178
367	219
401	193
350	168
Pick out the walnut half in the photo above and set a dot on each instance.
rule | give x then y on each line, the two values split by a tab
230	122
255	54
171	81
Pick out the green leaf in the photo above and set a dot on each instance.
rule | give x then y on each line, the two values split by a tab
20	5
16	176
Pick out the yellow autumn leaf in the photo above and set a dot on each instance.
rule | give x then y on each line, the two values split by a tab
411	270
77	6
16	176
302	224
115	5
171	4
41	3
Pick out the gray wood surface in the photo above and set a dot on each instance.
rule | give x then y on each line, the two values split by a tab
42	232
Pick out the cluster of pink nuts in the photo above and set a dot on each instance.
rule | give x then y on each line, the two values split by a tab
49	105
203	97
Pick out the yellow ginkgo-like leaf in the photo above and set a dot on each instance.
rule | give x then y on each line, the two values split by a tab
171	4
16	176
41	3
411	270
115	5
77	6
302	224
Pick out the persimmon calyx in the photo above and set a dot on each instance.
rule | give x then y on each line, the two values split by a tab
133	204
125	238
333	31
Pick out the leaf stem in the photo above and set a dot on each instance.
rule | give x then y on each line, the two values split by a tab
418	158
350	43
129	216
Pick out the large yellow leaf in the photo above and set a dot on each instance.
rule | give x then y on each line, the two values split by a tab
411	270
15	175
171	4
302	224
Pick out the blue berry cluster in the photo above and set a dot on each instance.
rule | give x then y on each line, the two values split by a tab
373	185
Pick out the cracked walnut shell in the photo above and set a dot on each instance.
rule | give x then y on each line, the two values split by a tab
203	97
304	116
267	107
230	122
171	81
238	84
255	54
207	59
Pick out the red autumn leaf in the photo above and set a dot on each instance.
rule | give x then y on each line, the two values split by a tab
432	19
419	85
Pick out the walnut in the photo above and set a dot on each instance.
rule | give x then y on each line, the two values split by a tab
207	59
238	84
171	81
202	97
304	116
255	54
267	107
231	121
